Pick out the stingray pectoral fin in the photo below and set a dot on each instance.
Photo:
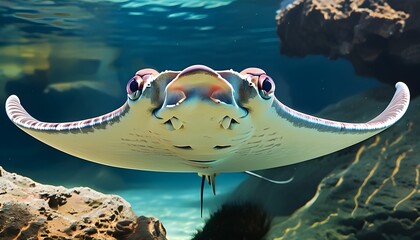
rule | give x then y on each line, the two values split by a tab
393	112
315	136
118	138
78	138
285	136
19	116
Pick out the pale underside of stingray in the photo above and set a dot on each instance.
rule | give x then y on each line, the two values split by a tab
205	121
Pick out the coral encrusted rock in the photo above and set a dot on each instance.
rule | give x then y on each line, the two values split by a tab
381	38
30	210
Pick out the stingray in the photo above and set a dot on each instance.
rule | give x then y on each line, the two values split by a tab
204	121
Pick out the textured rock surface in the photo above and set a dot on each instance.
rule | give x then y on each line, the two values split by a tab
380	38
30	210
368	191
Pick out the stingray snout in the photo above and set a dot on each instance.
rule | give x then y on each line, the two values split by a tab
198	83
210	94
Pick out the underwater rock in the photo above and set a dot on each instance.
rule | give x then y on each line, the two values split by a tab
29	210
368	191
380	38
146	228
236	221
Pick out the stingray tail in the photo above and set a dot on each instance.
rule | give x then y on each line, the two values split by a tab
270	180
203	179
211	180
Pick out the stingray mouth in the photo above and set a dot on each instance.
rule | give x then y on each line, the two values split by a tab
202	152
217	147
202	164
202	146
201	161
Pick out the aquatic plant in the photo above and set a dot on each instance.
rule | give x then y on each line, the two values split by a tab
236	221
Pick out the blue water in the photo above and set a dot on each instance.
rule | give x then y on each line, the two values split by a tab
95	46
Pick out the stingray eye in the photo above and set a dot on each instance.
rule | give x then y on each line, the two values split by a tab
266	86
134	87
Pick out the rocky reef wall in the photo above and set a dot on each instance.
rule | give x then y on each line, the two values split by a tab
380	38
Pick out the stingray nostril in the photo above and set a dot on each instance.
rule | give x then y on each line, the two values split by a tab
174	98
173	124
221	97
228	122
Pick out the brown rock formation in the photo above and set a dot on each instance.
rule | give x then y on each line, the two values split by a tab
30	210
380	38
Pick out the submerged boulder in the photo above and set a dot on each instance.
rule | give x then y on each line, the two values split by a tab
380	38
30	210
368	191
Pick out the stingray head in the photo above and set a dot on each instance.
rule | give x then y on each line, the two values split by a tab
203	115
